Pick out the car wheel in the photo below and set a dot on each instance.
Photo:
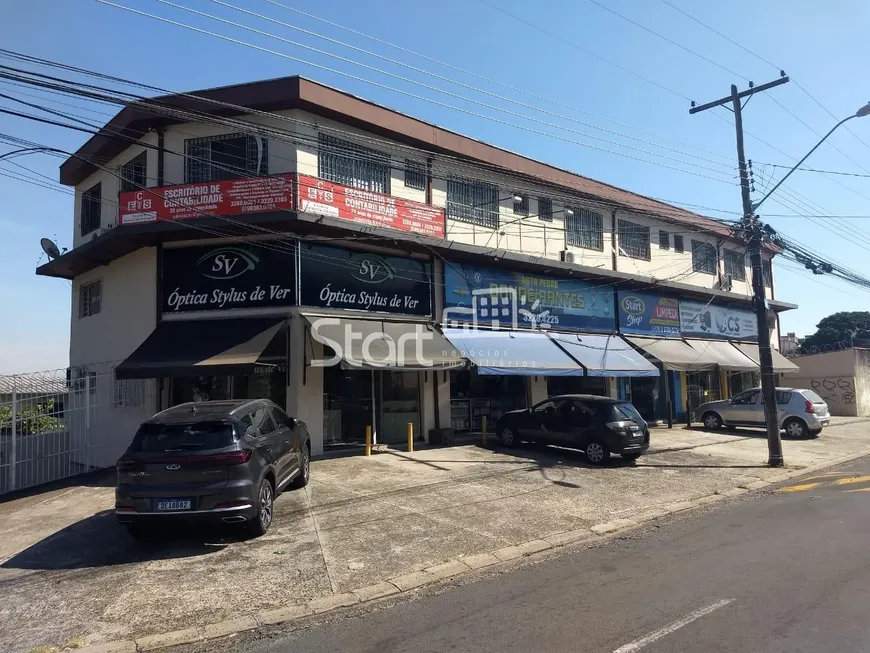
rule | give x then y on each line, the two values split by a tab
795	428
631	456
507	436
712	421
264	505
815	433
597	452
304	468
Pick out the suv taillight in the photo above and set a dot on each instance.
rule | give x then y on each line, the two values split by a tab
810	408
125	465
230	458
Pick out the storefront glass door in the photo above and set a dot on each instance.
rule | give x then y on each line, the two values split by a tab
347	405
703	387
399	400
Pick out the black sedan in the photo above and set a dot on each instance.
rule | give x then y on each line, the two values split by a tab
599	426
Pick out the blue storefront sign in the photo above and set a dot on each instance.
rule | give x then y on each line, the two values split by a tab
504	299
647	314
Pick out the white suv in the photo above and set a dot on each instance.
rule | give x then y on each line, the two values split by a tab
800	412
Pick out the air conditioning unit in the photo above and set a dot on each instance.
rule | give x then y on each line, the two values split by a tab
566	257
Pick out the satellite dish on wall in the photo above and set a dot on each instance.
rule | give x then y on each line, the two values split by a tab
49	247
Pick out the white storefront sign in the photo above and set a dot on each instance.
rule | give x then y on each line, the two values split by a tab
719	321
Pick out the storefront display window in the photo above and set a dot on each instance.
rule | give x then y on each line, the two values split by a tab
703	387
740	381
473	396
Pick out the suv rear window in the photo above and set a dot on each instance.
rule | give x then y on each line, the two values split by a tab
812	396
161	438
626	411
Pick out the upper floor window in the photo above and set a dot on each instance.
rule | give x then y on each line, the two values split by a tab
545	209
664	240
132	173
767	274
90	218
679	247
90	298
415	174
227	156
584	228
472	201
633	240
353	165
521	207
735	264
703	257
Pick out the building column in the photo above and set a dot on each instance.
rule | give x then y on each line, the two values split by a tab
305	383
537	389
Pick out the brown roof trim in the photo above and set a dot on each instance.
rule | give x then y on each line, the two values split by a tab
298	92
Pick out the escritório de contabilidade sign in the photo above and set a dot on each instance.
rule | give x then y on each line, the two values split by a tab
213	198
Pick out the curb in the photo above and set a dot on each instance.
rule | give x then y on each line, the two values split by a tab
411	582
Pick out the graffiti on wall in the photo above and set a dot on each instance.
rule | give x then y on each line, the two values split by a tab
838	393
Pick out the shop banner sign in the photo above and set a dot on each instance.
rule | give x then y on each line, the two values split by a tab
506	299
645	314
364	207
332	277
214	198
698	318
223	277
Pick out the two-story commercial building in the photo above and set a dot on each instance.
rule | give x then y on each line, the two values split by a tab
364	268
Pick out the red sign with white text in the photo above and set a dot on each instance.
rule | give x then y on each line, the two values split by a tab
361	206
214	198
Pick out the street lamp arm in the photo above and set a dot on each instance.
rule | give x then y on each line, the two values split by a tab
755	205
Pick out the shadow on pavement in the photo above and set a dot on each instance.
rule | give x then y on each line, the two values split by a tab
99	541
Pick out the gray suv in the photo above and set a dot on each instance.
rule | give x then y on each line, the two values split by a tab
800	412
223	461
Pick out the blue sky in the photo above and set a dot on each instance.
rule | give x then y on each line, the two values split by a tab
816	43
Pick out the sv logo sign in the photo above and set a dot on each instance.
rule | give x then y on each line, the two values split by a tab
370	269
227	263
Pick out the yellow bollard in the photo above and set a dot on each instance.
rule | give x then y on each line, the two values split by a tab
410	436
483	429
368	440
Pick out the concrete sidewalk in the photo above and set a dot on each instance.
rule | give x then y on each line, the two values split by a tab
364	525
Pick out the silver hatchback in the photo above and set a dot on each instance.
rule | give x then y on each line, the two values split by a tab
800	412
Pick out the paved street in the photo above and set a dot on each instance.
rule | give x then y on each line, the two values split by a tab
783	571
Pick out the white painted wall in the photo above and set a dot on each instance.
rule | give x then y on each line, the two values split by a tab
305	400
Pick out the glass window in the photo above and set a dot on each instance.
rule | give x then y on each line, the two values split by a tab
353	165
746	398
783	397
227	156
626	411
132	173
545	209
90	219
585	228
679	248
633	240
262	419
521	207
281	418
160	438
703	257
767	274
90	299
813	396
735	264
664	240
473	202
415	174
545	406
244	423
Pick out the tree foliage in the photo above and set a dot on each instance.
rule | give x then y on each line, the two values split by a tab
839	331
32	419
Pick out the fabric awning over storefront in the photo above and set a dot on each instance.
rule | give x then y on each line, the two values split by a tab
674	353
513	353
381	344
727	357
781	365
604	355
195	347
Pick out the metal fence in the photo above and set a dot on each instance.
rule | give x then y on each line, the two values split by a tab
61	423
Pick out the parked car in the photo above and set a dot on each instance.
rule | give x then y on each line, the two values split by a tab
221	461
598	425
800	412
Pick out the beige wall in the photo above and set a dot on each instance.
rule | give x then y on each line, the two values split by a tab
833	376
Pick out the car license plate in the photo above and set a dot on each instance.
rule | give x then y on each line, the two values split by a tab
173	504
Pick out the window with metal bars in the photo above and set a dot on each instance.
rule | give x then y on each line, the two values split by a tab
521	207
703	257
679	247
90	298
349	164
90	218
735	264
133	173
227	156
584	228
633	240
472	201
664	240
767	273
545	209
415	174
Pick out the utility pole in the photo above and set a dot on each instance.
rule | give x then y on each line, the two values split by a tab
755	232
